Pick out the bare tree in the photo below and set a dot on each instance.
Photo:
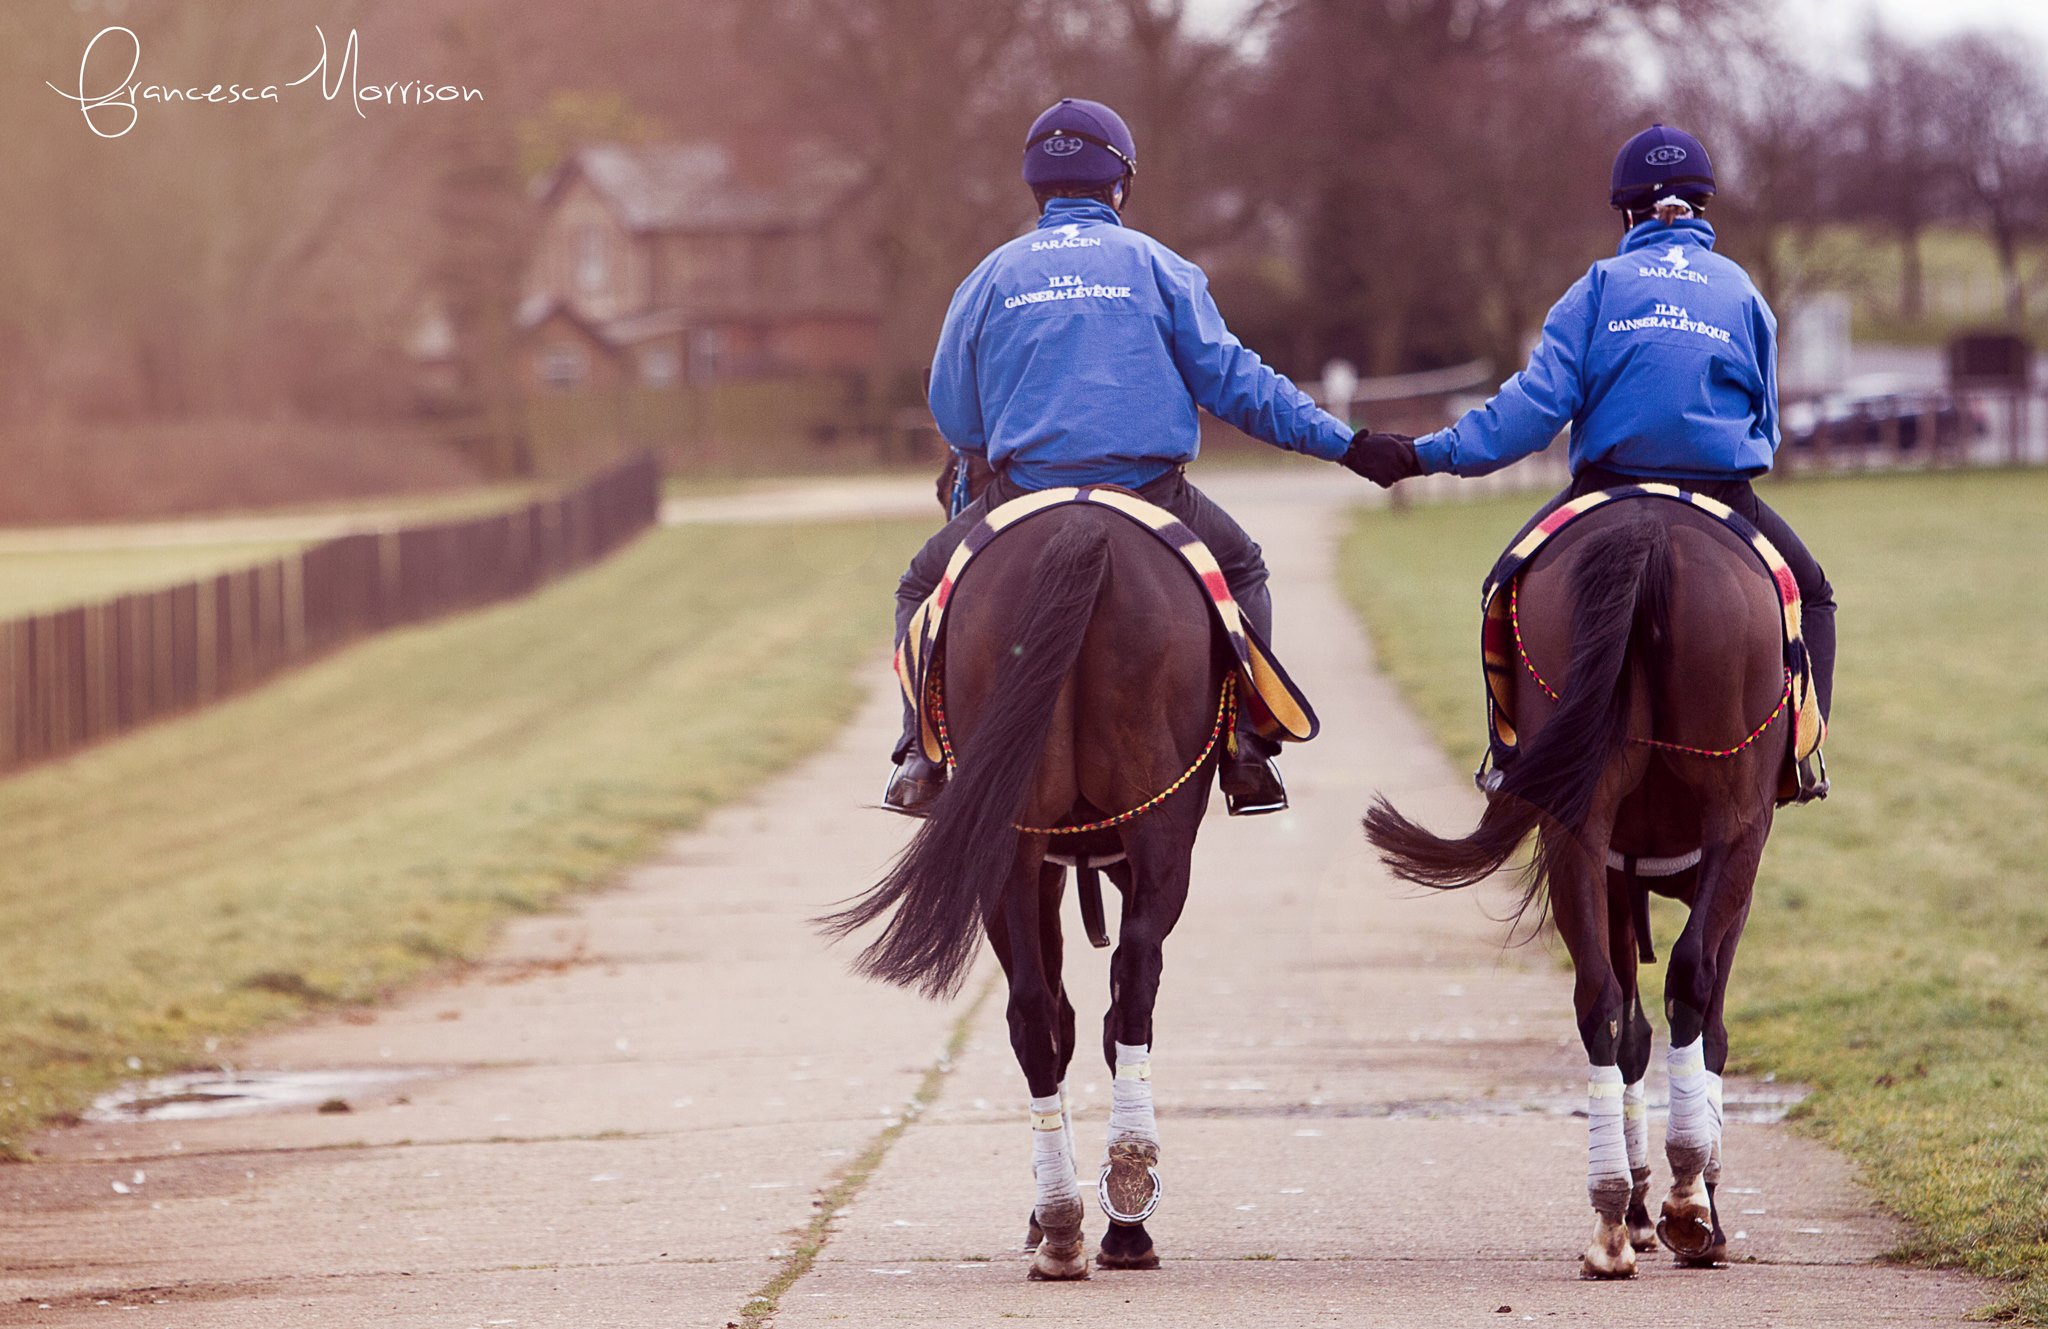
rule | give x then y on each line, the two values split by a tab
919	94
1445	164
1896	175
1995	116
1769	120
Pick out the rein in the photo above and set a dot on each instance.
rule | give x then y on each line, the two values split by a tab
1784	698
1226	719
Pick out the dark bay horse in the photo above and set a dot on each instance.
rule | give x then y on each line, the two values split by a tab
1083	678
1652	646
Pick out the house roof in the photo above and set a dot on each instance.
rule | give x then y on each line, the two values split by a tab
672	187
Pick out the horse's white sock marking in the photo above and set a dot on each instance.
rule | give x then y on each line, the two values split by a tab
1130	1095
1052	1163
1635	1126
1695	1123
1606	1153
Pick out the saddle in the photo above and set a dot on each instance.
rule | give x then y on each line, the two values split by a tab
1277	708
1500	650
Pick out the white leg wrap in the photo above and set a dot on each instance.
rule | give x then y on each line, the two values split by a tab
1694	1131
1635	1126
1130	1102
1067	1121
1052	1163
1607	1179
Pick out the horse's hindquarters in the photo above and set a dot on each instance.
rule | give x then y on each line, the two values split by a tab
1141	698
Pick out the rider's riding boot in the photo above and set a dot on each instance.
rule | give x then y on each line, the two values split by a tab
914	784
1813	779
1251	782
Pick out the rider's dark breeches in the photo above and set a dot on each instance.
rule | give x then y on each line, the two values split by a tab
1237	555
1816	597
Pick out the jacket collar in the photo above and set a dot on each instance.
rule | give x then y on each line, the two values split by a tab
1688	231
1077	211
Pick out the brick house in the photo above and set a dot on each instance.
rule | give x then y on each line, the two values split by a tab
664	266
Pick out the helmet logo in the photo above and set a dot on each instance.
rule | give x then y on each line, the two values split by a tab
1063	147
1668	155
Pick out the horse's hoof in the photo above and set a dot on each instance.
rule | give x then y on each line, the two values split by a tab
1130	1187
1059	1262
1715	1258
1610	1255
1687	1233
1126	1246
1642	1233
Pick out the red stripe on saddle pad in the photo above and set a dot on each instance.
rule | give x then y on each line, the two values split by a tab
1494	638
945	591
1788	589
1219	589
1549	525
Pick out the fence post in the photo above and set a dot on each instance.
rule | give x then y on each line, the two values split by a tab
207	631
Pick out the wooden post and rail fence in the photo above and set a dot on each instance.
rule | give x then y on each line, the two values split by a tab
75	676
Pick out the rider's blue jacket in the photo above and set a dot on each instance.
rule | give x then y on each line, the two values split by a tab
1663	359
1078	352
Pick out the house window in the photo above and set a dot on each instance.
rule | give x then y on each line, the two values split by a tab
564	365
660	366
590	261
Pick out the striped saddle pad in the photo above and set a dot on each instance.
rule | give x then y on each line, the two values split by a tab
1278	709
1497	638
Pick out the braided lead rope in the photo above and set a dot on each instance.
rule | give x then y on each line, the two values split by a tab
1784	698
1226	718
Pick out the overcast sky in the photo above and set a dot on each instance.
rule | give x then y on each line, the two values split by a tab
1832	21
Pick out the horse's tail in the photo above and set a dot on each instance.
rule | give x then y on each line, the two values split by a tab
954	870
1620	593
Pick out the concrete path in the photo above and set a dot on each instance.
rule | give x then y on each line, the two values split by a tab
645	1111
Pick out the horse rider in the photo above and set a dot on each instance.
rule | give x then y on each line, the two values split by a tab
1663	359
1077	354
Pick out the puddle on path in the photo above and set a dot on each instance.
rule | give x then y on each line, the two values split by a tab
229	1093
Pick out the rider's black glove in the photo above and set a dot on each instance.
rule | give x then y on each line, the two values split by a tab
1383	458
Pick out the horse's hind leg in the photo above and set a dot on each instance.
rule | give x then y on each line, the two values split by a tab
1034	1036
1052	880
1694	989
1578	901
1633	1057
1717	1057
1160	857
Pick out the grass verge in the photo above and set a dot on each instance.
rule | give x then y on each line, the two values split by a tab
1897	957
37	581
369	818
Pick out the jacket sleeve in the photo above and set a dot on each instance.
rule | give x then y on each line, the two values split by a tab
1532	406
1766	334
1229	381
953	393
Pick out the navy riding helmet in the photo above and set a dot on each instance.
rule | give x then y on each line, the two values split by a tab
1660	161
1079	143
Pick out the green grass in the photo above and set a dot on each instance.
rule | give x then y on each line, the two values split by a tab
1897	958
370	818
32	582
